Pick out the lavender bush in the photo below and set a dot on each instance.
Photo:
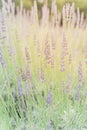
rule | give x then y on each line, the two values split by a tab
43	68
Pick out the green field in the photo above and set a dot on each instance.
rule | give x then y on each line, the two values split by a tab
43	68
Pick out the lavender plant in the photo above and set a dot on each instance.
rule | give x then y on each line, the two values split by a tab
43	68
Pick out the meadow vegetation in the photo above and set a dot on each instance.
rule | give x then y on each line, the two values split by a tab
43	68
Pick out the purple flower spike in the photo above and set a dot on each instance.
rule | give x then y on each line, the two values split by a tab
20	91
49	98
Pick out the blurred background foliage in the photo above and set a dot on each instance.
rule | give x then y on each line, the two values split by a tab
82	4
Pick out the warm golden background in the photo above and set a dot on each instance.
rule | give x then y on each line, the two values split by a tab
82	4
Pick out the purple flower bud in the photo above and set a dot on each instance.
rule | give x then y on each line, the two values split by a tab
80	81
2	62
48	126
49	98
20	91
27	56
